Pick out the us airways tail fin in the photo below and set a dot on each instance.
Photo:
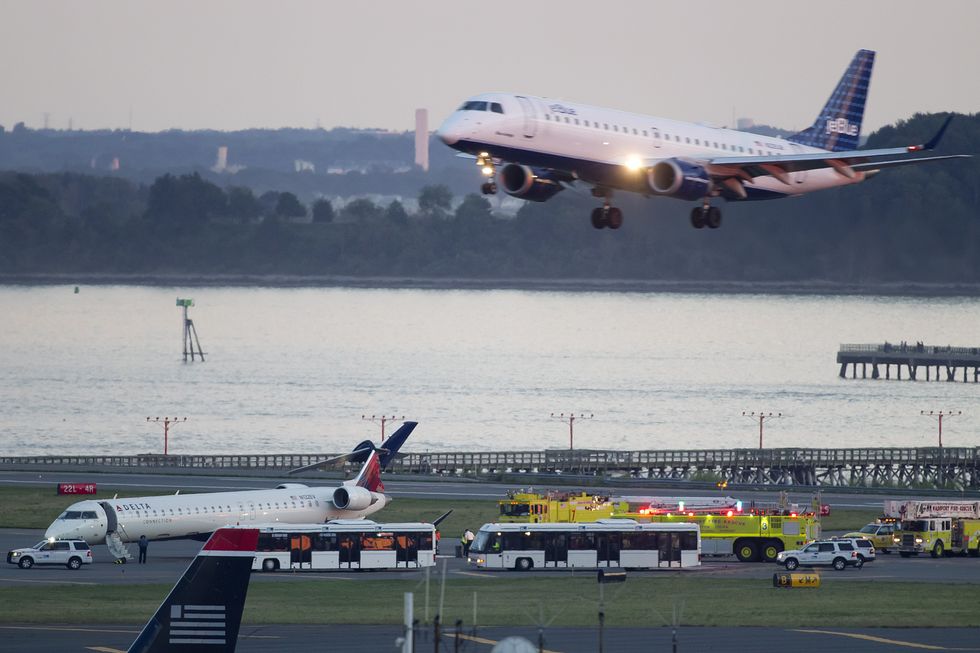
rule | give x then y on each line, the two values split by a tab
203	612
839	124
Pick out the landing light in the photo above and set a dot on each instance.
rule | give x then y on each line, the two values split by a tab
487	171
633	163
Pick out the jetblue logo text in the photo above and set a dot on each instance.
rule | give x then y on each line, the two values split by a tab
841	126
560	108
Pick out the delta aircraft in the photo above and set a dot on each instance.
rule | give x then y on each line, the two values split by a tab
545	146
195	516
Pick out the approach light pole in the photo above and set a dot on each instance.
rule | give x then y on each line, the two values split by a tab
384	419
940	414
762	417
570	418
166	421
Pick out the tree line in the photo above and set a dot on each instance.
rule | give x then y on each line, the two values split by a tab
909	224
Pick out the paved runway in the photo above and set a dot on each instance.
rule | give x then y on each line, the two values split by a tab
395	486
286	639
167	561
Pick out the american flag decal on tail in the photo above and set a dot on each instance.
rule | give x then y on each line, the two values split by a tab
197	624
203	612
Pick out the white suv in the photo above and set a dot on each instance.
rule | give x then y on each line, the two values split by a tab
838	554
71	553
865	547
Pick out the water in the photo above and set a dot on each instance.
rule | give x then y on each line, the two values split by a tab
293	370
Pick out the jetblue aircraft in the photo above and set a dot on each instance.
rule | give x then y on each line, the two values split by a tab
203	612
195	516
545	145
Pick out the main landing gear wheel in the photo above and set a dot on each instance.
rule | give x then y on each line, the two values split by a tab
706	216
488	188
607	216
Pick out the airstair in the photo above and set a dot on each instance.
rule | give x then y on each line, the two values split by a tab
117	548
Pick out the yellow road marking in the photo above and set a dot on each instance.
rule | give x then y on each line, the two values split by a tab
71	630
883	640
488	642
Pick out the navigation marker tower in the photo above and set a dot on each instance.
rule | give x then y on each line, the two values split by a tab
189	332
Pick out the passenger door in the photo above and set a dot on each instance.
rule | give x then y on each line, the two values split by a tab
530	116
556	551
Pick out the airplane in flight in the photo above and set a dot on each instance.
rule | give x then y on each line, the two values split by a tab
544	146
203	611
195	516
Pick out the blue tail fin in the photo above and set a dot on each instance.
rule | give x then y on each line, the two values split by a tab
839	123
395	442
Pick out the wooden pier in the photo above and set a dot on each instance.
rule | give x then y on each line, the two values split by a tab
901	468
918	361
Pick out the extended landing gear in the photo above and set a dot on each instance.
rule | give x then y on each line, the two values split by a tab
706	216
606	215
485	161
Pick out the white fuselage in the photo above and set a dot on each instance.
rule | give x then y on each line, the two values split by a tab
614	148
178	516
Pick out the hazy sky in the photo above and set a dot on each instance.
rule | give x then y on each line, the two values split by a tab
246	63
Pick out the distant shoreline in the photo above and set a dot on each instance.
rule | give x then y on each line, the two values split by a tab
439	283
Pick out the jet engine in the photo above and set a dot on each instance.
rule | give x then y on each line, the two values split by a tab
532	184
352	497
684	180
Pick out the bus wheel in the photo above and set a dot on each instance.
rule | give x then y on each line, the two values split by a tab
771	550
523	564
746	550
270	564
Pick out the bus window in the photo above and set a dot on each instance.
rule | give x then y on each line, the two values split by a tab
324	542
377	542
581	541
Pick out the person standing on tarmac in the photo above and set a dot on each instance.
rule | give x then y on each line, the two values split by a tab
143	543
467	540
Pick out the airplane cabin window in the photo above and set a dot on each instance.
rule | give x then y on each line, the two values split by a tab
644	132
687	139
496	107
576	121
605	126
547	116
567	120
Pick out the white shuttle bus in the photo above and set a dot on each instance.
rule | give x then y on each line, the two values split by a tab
604	543
345	544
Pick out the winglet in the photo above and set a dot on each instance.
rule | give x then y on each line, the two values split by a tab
203	611
934	141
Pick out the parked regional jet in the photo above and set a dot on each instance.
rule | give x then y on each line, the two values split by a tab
546	145
203	611
196	516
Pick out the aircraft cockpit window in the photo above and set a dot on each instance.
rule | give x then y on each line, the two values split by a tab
89	514
72	514
496	108
474	105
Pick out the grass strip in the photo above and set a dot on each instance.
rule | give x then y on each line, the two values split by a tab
564	600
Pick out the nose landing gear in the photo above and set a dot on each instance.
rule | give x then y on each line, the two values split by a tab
485	162
606	215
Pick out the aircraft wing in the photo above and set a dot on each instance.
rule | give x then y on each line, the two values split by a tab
847	163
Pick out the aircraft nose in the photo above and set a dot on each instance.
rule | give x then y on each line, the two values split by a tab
447	134
451	131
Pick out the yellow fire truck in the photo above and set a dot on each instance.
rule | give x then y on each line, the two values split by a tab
936	527
752	536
